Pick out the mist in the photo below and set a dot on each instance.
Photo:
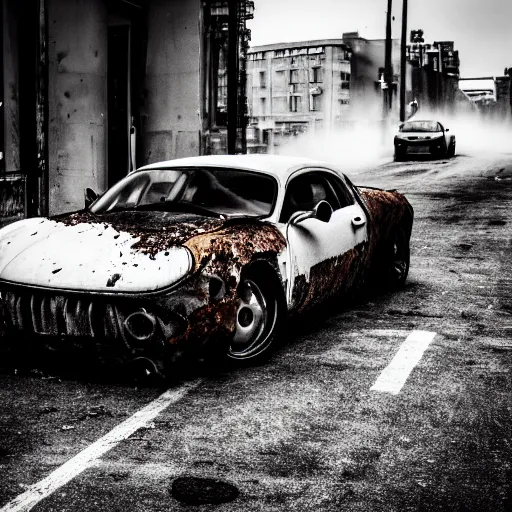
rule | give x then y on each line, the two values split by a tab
362	143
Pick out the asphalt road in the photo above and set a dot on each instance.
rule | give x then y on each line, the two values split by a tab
306	431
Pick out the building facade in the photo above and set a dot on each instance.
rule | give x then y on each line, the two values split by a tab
490	95
434	71
299	87
294	88
92	89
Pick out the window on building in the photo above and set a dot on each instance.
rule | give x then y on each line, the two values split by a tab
343	102
315	102
345	84
294	76
344	76
295	102
263	106
263	79
316	75
279	80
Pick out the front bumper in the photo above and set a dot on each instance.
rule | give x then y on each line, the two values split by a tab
433	147
40	324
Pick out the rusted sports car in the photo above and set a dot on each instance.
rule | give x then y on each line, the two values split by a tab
198	256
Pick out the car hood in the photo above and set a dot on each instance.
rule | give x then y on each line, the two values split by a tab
127	252
419	135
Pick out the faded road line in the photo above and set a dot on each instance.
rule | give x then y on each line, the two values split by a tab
393	377
73	467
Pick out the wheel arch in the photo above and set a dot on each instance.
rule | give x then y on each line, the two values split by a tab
267	267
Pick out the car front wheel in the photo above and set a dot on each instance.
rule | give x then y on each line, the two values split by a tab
259	318
451	149
399	155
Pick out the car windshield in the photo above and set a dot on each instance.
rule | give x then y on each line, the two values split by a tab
207	191
421	126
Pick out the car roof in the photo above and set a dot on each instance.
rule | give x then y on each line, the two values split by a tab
421	121
279	166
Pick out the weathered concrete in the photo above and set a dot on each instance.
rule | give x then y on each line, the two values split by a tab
10	99
77	100
173	89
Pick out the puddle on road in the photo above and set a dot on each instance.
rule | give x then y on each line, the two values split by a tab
193	490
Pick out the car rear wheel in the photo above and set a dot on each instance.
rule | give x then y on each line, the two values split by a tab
259	318
399	259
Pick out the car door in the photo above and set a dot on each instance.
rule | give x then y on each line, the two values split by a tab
323	257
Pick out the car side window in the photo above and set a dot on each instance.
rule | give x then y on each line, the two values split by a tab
304	192
344	196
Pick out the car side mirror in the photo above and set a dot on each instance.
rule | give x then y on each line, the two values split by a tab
447	129
89	196
322	211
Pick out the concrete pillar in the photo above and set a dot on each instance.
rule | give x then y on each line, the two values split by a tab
10	105
173	110
77	54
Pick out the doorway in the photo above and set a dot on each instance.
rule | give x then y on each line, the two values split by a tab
119	102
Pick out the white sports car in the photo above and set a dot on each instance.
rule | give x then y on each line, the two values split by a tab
423	138
195	256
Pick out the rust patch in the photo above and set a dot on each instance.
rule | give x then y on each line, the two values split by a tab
330	278
156	231
235	244
386	209
224	254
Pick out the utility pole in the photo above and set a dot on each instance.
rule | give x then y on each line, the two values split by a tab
388	69
232	100
403	61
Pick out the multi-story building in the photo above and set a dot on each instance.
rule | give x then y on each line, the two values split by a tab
309	85
92	89
296	87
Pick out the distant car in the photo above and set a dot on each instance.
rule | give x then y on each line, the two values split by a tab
198	255
423	138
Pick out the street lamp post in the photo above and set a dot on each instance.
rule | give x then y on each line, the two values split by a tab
388	70
403	61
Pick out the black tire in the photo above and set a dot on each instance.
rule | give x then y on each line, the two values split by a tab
260	317
450	152
399	259
398	156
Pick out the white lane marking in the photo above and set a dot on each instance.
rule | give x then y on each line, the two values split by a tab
73	467
393	377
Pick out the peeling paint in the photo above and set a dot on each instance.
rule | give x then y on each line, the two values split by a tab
330	278
156	231
223	255
387	210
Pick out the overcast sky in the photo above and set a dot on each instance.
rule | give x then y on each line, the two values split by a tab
481	29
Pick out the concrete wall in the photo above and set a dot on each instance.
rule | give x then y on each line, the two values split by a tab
11	98
173	110
77	54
